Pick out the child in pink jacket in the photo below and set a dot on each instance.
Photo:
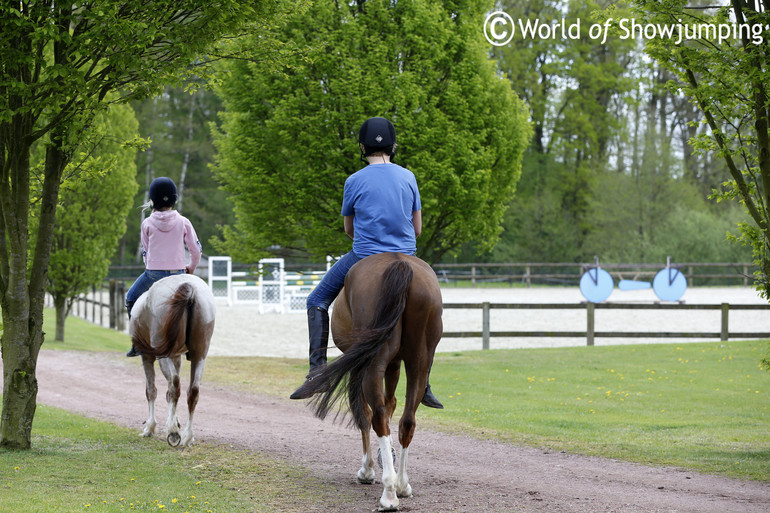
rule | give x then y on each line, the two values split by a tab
164	236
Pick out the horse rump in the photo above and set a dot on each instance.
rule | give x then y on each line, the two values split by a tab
174	325
344	376
177	320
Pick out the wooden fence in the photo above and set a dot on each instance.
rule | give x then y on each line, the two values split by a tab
104	305
590	333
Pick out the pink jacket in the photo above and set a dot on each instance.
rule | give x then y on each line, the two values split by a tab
164	235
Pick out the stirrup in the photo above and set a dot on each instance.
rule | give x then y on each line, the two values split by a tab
133	352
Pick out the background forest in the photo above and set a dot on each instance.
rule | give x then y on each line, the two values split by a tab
609	171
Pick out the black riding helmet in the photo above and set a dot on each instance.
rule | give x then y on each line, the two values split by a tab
162	193
377	134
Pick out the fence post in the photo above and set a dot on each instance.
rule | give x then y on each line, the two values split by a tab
120	300
725	312
112	309
93	304
590	323
473	276
529	277
485	326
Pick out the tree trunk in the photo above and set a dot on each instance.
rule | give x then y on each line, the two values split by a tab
186	159
23	300
60	303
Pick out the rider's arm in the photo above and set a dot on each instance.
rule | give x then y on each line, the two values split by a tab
349	225
417	222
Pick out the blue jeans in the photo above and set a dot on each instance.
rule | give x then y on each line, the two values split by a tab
333	281
143	284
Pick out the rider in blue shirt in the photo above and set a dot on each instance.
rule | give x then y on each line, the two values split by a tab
382	214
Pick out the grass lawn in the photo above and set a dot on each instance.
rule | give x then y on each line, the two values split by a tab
80	464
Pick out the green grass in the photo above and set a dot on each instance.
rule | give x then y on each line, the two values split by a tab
80	464
700	406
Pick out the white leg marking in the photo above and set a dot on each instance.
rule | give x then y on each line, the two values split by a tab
389	499
149	426
187	434
366	472
403	488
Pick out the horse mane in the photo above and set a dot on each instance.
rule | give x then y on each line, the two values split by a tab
349	369
176	320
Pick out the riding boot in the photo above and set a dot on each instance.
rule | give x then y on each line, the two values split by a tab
318	328
133	351
428	399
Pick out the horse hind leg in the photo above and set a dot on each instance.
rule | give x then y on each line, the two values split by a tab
416	381
170	368
365	474
389	500
196	374
151	392
380	417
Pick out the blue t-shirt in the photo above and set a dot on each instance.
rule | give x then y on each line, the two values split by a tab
382	197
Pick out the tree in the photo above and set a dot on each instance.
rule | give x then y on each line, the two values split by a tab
177	124
288	139
727	77
59	63
95	196
576	88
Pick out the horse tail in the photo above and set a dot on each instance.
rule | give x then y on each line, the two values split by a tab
177	320
350	368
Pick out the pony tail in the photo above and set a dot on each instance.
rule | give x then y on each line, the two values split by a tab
174	330
348	370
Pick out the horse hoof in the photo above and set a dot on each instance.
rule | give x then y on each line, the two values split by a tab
173	439
363	479
392	507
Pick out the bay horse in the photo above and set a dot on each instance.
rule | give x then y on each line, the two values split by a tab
174	317
388	312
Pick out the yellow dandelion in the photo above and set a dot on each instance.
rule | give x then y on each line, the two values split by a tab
174	501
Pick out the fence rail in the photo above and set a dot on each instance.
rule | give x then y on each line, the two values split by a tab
590	333
104	305
569	274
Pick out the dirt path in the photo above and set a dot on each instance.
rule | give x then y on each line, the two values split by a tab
448	473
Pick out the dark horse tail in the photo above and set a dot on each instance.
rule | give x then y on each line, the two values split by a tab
176	322
349	369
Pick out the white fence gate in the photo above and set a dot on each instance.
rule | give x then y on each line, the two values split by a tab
271	288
